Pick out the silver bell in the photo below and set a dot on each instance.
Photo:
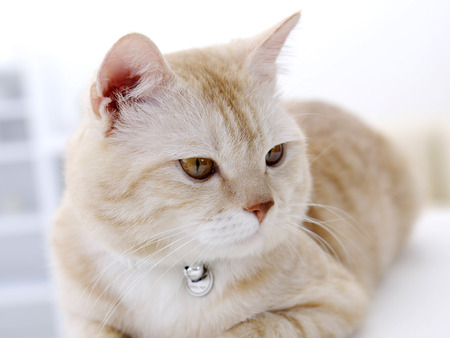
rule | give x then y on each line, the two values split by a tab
199	280
195	273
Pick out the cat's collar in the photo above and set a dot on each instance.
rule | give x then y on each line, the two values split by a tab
199	280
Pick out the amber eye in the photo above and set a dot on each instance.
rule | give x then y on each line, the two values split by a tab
274	155
198	168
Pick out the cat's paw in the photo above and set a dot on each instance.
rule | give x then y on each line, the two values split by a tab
267	324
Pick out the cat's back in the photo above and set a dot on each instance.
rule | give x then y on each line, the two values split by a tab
364	197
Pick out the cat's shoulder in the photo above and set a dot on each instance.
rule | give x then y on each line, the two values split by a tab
319	114
322	122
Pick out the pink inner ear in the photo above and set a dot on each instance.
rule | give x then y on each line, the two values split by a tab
119	80
116	75
113	81
133	61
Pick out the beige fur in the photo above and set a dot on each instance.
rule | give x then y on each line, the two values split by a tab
131	219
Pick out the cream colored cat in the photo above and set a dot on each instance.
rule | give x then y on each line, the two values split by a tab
198	204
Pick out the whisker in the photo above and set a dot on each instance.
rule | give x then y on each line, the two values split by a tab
346	218
319	242
294	229
129	269
120	298
338	235
129	252
341	233
323	152
354	224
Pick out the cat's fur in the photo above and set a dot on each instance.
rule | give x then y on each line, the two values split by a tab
131	219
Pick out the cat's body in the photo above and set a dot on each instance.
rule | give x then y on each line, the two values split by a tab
131	219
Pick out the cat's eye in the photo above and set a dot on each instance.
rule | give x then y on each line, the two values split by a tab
198	168
274	155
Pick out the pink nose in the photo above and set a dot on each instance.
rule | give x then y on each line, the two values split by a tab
260	210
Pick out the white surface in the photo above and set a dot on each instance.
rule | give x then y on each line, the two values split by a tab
414	299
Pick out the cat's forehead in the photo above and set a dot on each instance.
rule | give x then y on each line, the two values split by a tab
216	111
190	126
232	107
246	129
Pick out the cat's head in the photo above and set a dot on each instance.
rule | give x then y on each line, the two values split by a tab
189	156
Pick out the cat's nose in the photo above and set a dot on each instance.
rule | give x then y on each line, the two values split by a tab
260	210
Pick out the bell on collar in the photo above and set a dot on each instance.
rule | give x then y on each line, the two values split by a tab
199	280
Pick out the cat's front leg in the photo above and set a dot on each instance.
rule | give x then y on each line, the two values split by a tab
336	312
83	328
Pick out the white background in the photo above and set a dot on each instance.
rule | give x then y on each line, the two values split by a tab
374	57
385	60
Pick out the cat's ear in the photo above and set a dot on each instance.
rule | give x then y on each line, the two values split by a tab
133	69
262	60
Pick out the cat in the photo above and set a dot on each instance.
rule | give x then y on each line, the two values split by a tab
198	203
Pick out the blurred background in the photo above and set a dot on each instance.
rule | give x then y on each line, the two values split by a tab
385	60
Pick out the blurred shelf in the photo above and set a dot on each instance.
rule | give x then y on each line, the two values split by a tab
18	151
20	224
31	148
23	151
16	294
27	310
11	108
